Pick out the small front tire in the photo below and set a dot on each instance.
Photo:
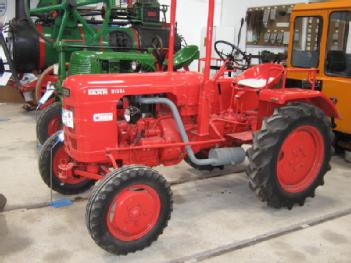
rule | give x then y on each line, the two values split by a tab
129	209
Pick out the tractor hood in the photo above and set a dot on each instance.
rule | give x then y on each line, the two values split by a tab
111	87
90	104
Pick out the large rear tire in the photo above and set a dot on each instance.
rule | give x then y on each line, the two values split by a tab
49	122
129	209
290	155
51	156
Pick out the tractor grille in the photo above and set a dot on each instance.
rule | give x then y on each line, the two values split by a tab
83	67
83	62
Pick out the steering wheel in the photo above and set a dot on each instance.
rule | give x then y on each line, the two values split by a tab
158	50
237	58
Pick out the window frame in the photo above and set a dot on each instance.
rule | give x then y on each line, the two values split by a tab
329	74
319	36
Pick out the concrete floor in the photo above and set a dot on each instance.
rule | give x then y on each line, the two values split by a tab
215	219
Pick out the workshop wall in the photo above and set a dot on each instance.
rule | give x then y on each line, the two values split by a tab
232	13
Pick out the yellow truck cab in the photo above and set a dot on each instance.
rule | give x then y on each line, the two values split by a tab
321	38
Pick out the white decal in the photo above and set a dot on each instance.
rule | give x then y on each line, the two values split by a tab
67	118
118	91
103	117
97	92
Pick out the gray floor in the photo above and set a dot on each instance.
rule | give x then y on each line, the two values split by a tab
214	219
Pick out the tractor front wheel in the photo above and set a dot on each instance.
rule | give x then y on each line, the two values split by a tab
129	209
290	155
51	156
49	122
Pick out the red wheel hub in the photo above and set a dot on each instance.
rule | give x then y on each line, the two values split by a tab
300	159
60	157
133	212
54	125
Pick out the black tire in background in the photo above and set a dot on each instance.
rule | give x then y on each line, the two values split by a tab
50	150
49	122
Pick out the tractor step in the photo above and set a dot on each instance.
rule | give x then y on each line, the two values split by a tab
241	137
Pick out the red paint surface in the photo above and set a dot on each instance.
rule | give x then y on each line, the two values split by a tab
133	212
41	47
300	159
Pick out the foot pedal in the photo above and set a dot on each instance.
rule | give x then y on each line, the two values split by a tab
241	137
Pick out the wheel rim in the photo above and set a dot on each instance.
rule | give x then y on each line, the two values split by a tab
300	159
61	157
133	212
54	125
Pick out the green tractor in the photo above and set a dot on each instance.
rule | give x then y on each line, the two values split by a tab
68	38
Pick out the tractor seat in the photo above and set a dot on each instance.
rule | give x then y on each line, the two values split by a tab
255	83
184	57
261	76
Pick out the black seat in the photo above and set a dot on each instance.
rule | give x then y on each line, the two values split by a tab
336	61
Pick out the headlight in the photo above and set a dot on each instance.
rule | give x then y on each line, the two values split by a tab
67	118
134	65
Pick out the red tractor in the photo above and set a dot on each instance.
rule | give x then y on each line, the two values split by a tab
118	126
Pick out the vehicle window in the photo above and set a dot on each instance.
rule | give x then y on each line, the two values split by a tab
306	42
338	57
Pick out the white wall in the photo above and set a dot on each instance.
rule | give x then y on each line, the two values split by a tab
233	11
10	13
192	18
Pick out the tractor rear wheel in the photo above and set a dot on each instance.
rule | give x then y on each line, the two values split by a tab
49	122
51	156
129	209
290	155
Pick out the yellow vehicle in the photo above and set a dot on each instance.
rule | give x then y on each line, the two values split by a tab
321	38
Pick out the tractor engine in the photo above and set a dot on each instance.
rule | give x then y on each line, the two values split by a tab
151	126
152	132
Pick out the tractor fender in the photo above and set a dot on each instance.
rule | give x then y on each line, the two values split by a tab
284	96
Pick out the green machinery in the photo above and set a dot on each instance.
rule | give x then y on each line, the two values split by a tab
95	62
65	26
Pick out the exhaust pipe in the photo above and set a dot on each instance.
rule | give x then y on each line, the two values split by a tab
20	9
217	157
